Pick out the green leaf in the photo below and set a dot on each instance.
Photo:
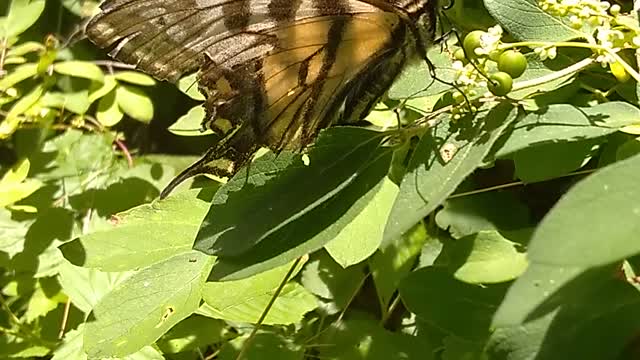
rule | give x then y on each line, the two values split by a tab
358	176
135	78
595	220
327	279
429	180
80	69
566	123
135	103
548	161
189	86
75	101
394	261
190	124
361	337
264	346
109	113
527	22
273	194
45	298
82	8
20	73
245	300
459	309
21	15
17	112
361	237
192	333
146	305
100	89
166	228
85	287
485	258
600	310
24	48
415	80
14	185
470	214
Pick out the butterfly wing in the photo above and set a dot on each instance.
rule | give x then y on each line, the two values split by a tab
274	72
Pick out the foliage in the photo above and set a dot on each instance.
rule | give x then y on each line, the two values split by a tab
488	226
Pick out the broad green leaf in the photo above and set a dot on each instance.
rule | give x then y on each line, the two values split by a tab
20	73
470	214
245	300
457	308
277	192
76	101
327	279
135	78
189	86
80	69
72	349
12	236
100	89
600	310
193	332
361	237
416	81
21	15
313	230
595	220
394	261
135	103
14	185
361	337
164	228
430	179
85	287
485	258
566	123
526	21
548	161
190	124
109	113
146	305
264	346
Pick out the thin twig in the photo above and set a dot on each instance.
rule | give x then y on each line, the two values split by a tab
65	318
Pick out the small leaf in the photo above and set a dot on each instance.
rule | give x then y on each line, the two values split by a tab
168	228
100	89
80	69
486	258
135	103
20	73
22	15
430	180
17	112
607	197
14	185
109	113
265	345
327	279
189	86
190	124
146	305
135	78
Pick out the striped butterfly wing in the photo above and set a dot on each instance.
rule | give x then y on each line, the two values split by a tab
274	72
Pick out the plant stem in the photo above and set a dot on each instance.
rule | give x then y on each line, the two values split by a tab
580	65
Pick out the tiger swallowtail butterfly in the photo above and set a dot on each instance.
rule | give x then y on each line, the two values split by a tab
274	72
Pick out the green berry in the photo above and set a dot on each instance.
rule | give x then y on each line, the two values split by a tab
460	55
513	63
500	84
471	42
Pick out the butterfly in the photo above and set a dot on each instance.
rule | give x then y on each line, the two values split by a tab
274	72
